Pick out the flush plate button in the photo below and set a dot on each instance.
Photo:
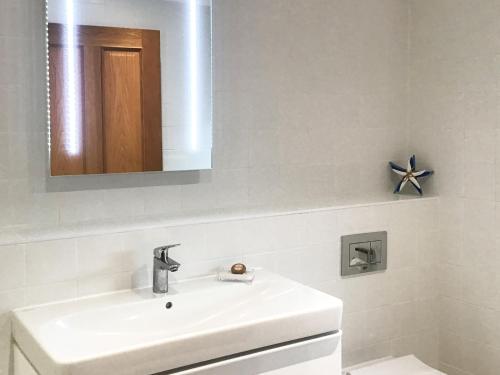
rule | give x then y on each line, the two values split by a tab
363	253
376	247
359	252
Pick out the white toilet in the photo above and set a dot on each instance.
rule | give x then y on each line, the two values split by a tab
408	365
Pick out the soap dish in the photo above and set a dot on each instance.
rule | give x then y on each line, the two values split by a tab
225	275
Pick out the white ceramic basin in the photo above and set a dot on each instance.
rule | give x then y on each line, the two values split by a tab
134	333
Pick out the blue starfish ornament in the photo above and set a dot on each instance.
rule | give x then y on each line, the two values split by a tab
409	175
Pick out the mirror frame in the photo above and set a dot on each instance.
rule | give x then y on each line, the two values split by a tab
190	175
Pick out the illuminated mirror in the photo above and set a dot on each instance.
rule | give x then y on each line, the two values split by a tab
130	86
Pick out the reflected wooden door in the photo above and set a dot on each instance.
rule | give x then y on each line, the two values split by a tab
108	120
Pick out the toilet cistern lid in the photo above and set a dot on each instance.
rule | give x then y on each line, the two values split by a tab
408	365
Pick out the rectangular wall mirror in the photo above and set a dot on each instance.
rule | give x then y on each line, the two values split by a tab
129	86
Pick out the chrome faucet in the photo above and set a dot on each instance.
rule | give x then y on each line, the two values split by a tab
162	266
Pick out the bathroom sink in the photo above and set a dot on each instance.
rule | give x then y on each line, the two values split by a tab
136	332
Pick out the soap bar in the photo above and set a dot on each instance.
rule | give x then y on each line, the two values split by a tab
238	269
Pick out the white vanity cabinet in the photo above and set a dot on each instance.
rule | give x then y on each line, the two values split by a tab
319	356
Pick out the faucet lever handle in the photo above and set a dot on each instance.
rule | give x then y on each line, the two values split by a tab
162	251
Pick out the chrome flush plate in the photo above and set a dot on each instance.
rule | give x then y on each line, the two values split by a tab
363	253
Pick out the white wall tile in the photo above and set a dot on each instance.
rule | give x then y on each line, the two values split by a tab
356	220
110	262
355	294
324	261
450	280
104	283
480	146
193	240
12	267
379	325
162	200
464	50
322	228
354	326
481	110
289	231
9	301
258	235
51	261
403	288
100	255
224	239
40	294
480	181
292	129
379	293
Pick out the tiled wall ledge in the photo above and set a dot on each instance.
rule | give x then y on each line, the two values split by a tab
388	313
27	234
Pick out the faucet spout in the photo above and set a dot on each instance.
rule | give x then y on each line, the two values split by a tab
172	265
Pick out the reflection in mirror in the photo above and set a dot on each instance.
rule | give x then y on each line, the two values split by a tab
129	86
